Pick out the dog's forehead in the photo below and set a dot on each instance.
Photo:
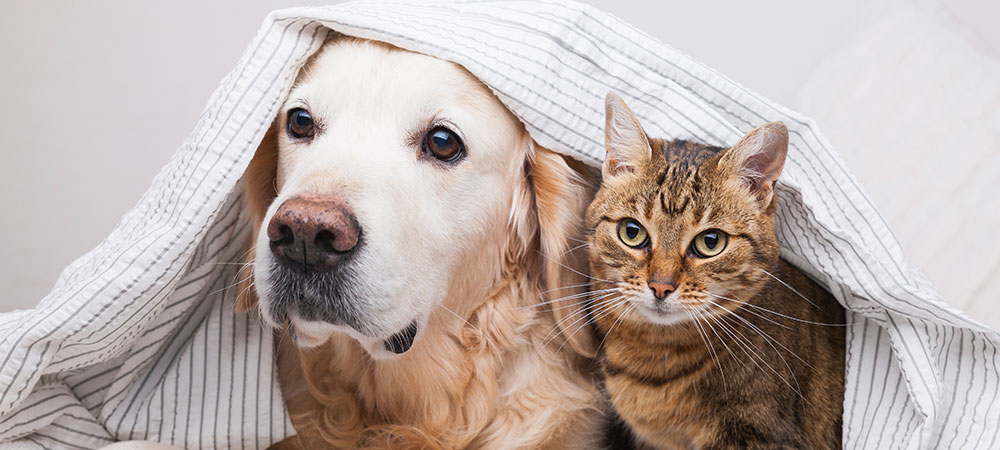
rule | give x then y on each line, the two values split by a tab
357	75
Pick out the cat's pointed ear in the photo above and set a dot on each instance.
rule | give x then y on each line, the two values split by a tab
759	157
627	145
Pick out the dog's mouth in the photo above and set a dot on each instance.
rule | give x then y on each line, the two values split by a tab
318	305
400	342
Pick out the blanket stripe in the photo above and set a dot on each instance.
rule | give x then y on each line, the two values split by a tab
138	339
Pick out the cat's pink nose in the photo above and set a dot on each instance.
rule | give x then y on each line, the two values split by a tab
661	289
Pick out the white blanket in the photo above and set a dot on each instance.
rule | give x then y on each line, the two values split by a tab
138	338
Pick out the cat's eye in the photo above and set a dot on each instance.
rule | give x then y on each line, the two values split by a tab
632	234
709	243
300	123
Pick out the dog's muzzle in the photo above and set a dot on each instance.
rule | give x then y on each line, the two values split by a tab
312	238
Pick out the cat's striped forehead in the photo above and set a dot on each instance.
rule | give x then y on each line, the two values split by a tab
685	155
680	181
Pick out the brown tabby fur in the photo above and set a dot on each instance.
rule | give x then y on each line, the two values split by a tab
731	375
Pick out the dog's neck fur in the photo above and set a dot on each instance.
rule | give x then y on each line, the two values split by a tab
452	401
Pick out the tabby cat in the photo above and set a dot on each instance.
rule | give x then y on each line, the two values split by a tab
709	338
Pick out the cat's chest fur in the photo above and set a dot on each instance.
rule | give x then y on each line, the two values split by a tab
656	392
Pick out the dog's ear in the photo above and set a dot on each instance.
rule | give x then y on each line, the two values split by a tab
258	193
562	190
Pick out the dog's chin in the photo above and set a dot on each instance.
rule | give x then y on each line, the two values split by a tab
311	334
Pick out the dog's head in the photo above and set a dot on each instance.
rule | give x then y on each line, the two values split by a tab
385	182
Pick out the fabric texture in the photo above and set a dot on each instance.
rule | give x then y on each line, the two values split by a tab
138	338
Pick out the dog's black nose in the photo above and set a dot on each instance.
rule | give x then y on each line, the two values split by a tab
313	233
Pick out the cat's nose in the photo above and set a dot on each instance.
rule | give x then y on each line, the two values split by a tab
662	288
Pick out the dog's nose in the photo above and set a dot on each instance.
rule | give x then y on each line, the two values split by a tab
313	233
662	288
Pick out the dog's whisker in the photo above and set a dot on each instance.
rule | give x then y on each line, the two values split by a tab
227	287
480	330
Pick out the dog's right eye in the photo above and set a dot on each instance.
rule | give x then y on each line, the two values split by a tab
444	144
300	123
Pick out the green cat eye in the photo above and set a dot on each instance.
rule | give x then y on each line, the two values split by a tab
632	234
709	243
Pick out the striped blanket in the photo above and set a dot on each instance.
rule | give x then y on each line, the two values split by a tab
138	338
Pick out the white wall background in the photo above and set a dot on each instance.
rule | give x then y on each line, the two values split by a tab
95	96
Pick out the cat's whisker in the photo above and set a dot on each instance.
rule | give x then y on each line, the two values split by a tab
797	388
740	340
554	333
582	311
574	270
762	316
796	291
600	308
607	311
768	340
703	334
748	344
776	313
761	332
568	286
585	244
570	297
628	310
575	304
603	294
710	327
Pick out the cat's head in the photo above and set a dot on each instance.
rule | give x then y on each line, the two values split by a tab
679	228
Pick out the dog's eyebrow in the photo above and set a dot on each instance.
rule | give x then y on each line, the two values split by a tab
298	102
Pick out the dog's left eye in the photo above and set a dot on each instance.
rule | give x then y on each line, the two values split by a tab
300	123
444	144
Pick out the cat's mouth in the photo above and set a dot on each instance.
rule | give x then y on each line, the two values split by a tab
665	313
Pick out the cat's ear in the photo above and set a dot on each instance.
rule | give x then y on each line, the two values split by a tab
759	157
627	145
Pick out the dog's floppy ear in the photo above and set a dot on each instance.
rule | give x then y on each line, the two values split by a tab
258	193
562	189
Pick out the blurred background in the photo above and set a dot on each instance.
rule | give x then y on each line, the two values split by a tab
908	91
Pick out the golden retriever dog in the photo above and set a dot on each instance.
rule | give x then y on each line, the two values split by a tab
411	247
408	231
